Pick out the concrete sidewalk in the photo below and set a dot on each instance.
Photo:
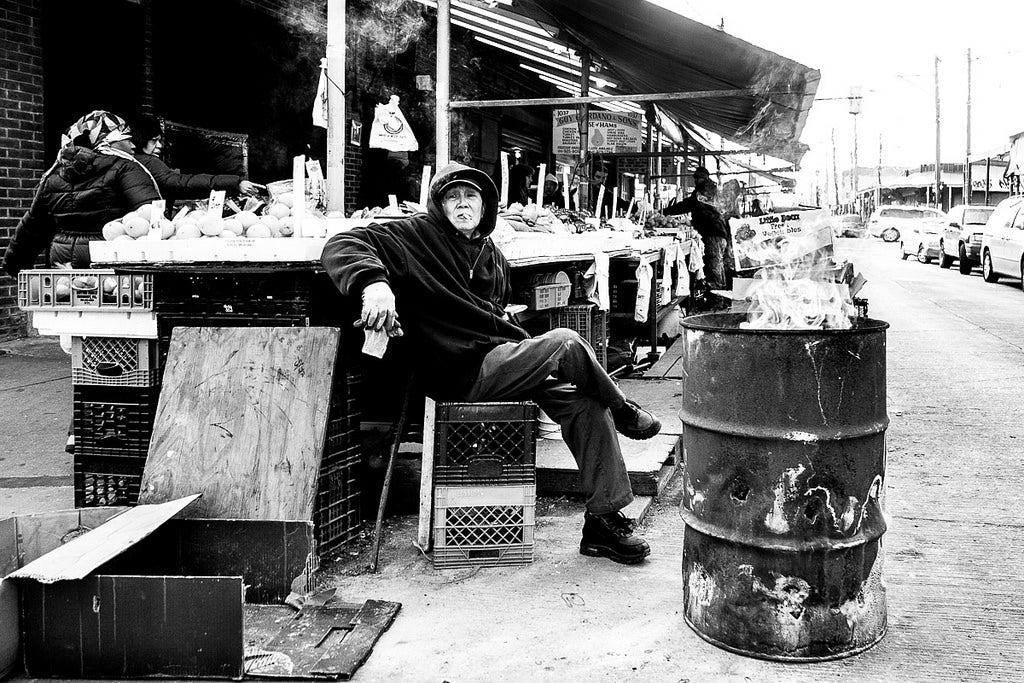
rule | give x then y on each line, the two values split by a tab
35	410
953	549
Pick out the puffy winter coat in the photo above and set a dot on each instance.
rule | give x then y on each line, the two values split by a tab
450	290
73	202
174	185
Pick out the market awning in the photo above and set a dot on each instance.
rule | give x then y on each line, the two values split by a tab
656	50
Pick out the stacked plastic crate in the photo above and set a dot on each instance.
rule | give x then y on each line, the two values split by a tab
589	322
485	484
115	378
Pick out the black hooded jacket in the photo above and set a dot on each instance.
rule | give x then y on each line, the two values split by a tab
450	290
85	191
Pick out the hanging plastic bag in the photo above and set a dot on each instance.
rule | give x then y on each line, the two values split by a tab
390	130
320	101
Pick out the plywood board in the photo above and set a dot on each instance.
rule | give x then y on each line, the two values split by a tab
133	626
242	419
557	473
80	556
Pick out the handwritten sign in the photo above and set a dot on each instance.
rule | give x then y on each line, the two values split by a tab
777	239
609	132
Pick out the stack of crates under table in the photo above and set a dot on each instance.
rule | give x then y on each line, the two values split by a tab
114	372
276	295
485	484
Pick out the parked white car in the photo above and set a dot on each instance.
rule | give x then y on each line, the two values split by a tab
921	239
891	221
1002	242
961	237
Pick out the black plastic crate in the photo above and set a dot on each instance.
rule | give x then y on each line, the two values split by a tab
114	420
337	517
226	292
101	482
589	322
485	443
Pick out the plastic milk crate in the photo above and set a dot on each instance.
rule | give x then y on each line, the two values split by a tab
84	290
483	526
114	421
114	361
589	322
101	482
485	443
337	513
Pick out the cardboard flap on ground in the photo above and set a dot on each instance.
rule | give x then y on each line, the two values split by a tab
81	556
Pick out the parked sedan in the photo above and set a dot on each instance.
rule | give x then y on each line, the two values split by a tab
961	238
921	239
1002	242
848	225
891	221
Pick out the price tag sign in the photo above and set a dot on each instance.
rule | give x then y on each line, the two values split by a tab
217	203
504	179
158	207
315	173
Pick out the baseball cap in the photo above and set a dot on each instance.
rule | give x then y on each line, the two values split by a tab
459	181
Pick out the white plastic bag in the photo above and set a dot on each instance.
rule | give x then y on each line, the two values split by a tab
390	130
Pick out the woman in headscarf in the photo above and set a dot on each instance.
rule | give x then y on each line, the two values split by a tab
95	180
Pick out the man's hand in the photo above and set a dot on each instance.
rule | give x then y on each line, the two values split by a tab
378	311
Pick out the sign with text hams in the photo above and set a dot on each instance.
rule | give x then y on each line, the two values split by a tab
609	132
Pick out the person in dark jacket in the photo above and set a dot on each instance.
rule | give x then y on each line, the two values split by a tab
707	220
148	137
95	180
441	274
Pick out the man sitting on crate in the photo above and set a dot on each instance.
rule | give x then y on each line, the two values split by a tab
444	277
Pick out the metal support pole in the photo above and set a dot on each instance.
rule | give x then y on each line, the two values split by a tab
583	190
938	142
442	110
967	166
336	128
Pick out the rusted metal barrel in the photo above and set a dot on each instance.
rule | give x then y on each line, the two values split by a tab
784	466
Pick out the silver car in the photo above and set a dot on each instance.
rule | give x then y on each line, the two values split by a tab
1002	242
891	221
961	236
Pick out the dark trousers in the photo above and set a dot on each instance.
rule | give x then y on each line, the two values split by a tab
560	372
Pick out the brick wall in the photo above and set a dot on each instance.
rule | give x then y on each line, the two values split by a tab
21	135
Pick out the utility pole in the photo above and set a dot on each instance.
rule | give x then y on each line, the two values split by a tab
835	176
854	110
968	184
878	183
938	143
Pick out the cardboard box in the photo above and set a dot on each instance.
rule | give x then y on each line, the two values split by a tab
148	595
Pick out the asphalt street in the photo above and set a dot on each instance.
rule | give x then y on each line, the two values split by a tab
953	549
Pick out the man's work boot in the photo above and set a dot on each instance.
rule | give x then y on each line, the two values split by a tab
611	535
634	422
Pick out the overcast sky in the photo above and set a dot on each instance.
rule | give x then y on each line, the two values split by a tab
888	49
